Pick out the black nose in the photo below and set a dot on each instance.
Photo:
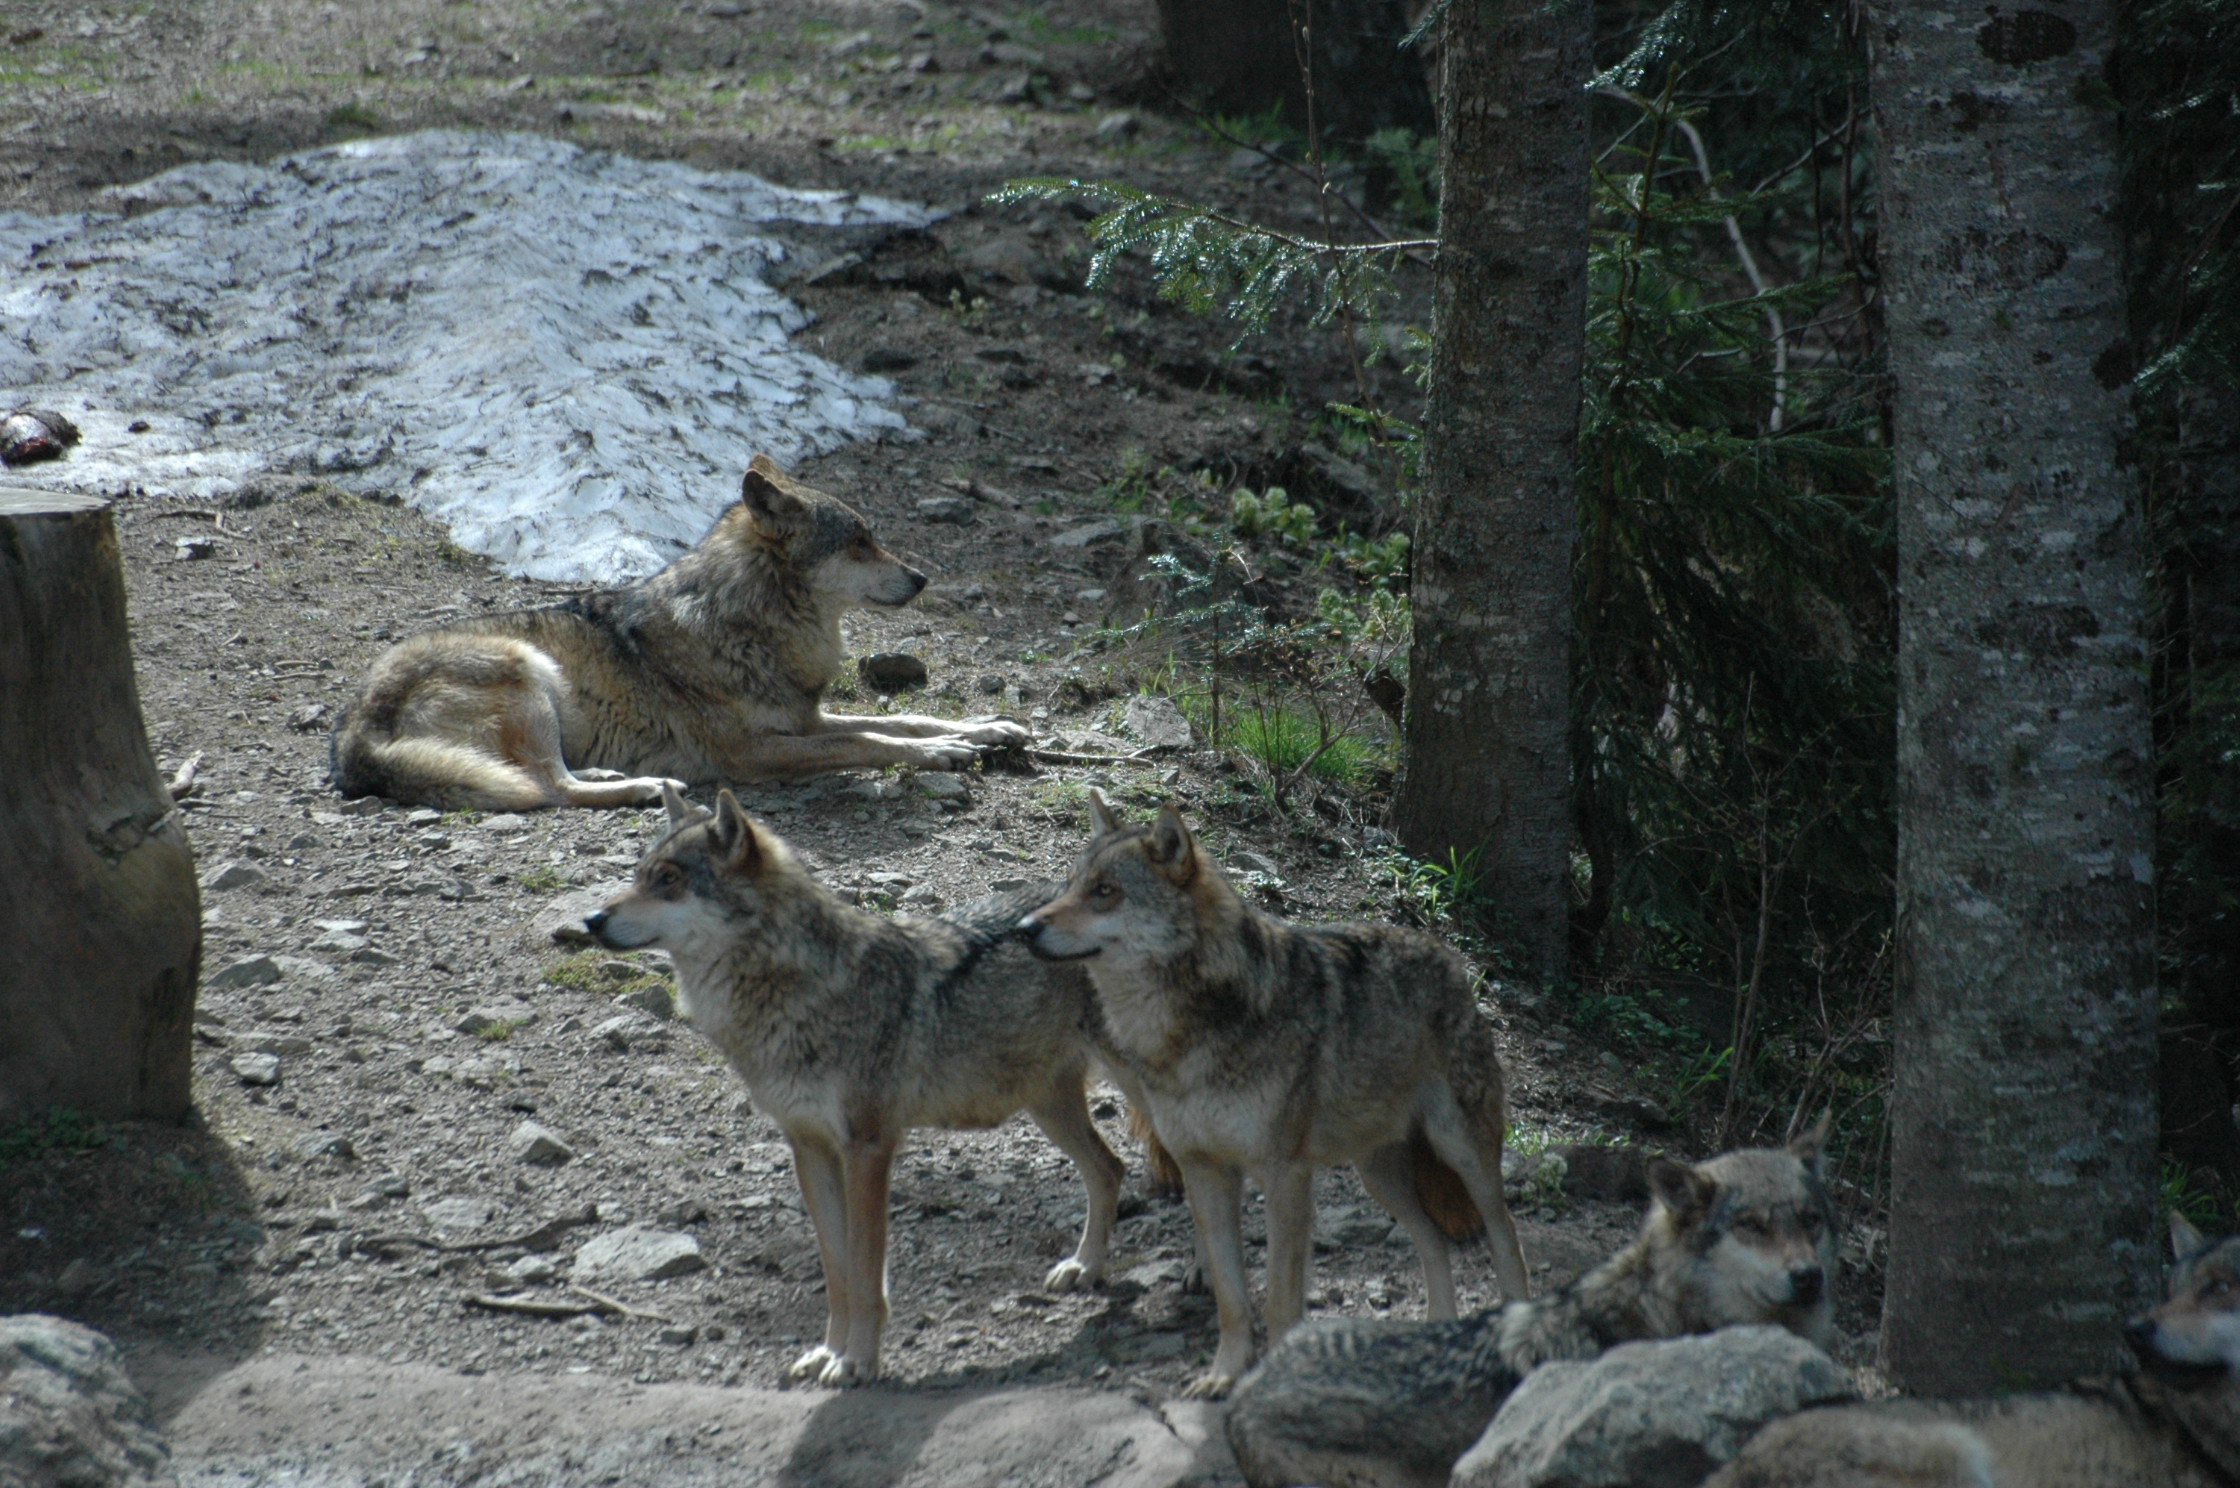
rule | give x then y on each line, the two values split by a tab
1805	1283
596	923
2139	1333
917	581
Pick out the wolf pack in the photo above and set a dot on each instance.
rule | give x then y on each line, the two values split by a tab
1245	1046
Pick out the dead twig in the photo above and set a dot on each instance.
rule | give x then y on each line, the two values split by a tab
1059	757
614	1304
544	1237
531	1306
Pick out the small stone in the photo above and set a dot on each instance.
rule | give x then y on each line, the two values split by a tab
658	1001
458	1213
1156	722
505	823
323	1144
342	927
363	806
532	1269
309	718
637	1253
257	1069
534	1143
680	1334
235	874
276	1043
321	1221
989	682
943	787
77	1278
683	1212
954	510
891	672
305	842
390	1186
924	898
341	942
1112	129
1089	535
1252	862
888	359
367	955
480	1019
425	816
633	1030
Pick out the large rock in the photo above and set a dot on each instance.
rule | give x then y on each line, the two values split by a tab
68	1414
636	1253
1157	722
1649	1415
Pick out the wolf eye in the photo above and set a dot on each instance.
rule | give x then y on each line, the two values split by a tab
1105	893
667	877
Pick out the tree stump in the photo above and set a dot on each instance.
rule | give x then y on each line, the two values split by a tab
100	916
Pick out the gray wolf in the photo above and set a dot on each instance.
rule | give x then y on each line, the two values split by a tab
1255	1046
850	1029
2174	1422
713	669
1747	1237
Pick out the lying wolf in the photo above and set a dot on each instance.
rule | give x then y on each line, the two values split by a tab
1256	1046
2173	1424
1375	1403
850	1029
714	669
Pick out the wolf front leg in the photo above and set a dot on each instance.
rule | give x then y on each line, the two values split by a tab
817	1167
1216	1193
788	756
867	1166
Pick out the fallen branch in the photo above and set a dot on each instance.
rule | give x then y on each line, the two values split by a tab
1058	757
530	1306
544	1237
613	1304
182	784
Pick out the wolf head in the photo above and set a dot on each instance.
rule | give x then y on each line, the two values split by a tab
713	879
816	538
2193	1339
1748	1237
1138	894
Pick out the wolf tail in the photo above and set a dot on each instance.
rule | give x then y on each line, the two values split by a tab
1443	1194
1159	1164
432	772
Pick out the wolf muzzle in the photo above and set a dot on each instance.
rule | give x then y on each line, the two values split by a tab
1030	930
596	923
2184	1374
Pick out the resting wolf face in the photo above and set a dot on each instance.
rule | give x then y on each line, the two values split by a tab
2193	1339
1761	1235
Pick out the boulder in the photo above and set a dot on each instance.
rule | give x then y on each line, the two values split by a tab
1661	1414
891	672
1156	721
68	1413
535	1143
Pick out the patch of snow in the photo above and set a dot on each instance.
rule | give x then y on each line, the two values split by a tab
565	355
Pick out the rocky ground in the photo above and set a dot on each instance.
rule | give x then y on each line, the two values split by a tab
386	1013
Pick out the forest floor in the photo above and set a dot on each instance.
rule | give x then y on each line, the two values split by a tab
401	966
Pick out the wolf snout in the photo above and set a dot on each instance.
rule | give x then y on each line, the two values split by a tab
596	923
1806	1283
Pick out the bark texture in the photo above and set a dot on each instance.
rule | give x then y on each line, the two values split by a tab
1239	57
1487	756
2023	1119
100	916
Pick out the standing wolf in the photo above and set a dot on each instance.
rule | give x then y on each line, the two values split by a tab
713	669
1257	1047
850	1029
1377	1403
2173	1424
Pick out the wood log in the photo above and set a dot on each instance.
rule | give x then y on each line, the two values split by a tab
100	915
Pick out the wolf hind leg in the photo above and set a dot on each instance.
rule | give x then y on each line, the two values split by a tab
1063	1115
1389	1175
1474	1152
1289	1187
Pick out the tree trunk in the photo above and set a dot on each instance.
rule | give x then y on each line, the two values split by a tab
100	917
2023	1120
1487	758
1241	57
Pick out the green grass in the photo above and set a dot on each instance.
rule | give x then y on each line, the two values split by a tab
60	1130
352	119
599	972
542	879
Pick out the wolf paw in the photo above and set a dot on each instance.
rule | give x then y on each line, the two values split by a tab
949	753
995	733
598	776
650	787
1069	1275
841	1372
812	1365
1212	1385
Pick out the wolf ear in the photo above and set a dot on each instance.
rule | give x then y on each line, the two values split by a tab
1680	1188
1172	846
734	835
1102	822
762	495
680	810
2185	1240
1806	1146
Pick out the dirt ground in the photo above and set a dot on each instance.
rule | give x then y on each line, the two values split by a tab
399	964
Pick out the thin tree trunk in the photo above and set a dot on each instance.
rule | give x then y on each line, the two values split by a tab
2023	1120
100	917
1487	754
1239	57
